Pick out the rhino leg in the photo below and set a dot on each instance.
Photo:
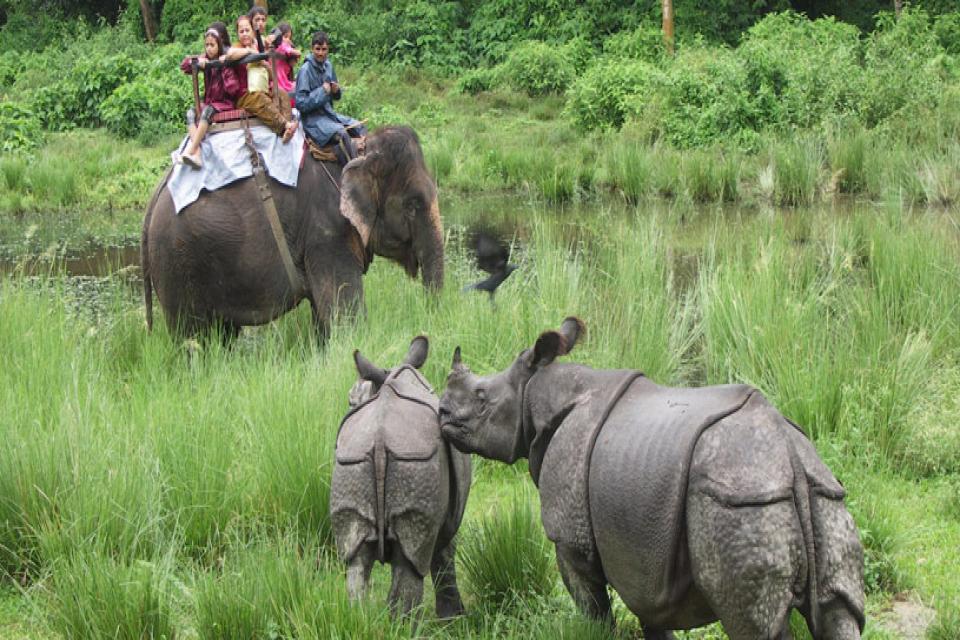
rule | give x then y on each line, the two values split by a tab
358	571
406	588
747	561
444	573
585	581
838	623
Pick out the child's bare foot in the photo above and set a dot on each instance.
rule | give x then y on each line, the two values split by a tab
192	161
290	130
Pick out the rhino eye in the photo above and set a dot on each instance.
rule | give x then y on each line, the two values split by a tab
481	395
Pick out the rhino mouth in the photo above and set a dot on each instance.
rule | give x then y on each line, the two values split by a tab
455	432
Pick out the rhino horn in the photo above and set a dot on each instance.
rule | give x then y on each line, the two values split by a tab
571	330
367	370
417	354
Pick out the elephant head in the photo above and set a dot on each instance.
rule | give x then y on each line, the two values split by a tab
370	377
483	415
389	196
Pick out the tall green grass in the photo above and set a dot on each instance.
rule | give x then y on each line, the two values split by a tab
506	557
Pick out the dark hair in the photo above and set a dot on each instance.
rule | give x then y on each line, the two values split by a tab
284	27
212	32
221	28
256	10
319	37
243	16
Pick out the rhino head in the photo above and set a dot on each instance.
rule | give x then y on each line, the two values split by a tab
484	415
370	377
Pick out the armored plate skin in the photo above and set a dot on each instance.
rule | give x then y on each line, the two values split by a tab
424	482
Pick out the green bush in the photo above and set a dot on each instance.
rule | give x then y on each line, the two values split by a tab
607	92
187	20
947	28
904	64
477	80
800	71
427	34
538	68
156	105
19	127
643	43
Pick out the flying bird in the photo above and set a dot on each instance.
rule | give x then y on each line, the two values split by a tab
493	256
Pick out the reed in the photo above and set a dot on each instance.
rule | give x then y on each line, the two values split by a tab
506	558
796	165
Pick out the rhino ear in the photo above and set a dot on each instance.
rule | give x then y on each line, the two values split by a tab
367	370
457	362
571	330
417	354
549	345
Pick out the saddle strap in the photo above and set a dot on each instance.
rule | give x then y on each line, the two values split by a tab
270	209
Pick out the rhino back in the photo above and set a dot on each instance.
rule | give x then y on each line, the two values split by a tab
416	477
637	492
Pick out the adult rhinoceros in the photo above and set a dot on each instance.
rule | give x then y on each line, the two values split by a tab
693	504
217	261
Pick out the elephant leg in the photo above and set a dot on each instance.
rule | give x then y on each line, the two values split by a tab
747	562
406	588
358	571
335	288
585	581
444	573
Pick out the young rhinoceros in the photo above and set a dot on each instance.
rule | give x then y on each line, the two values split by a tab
398	490
693	504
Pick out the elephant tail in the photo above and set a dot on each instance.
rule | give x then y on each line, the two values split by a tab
802	500
380	473
145	249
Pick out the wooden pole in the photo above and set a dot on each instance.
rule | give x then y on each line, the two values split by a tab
668	25
149	26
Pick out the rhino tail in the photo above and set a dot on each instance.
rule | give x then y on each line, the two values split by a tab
380	473
802	499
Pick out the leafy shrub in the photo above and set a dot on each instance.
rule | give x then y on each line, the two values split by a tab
428	34
904	65
506	557
476	80
538	68
947	28
643	43
601	97
19	127
800	71
187	19
704	97
154	104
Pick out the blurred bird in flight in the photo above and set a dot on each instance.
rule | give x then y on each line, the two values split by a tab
493	256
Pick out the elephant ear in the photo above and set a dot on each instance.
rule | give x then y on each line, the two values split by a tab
367	370
357	191
417	354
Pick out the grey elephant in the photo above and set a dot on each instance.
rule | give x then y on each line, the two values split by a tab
398	490
217	263
694	504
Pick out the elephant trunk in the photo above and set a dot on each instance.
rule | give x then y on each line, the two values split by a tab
428	244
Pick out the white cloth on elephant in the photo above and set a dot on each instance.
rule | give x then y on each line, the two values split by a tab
226	159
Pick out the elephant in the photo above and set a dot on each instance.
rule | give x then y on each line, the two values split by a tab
398	490
217	263
694	504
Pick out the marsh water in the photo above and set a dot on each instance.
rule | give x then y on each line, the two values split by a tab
514	217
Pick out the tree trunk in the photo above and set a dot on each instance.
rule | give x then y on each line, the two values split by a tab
261	3
898	7
149	25
668	25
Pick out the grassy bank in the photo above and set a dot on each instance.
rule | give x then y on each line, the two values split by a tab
145	492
